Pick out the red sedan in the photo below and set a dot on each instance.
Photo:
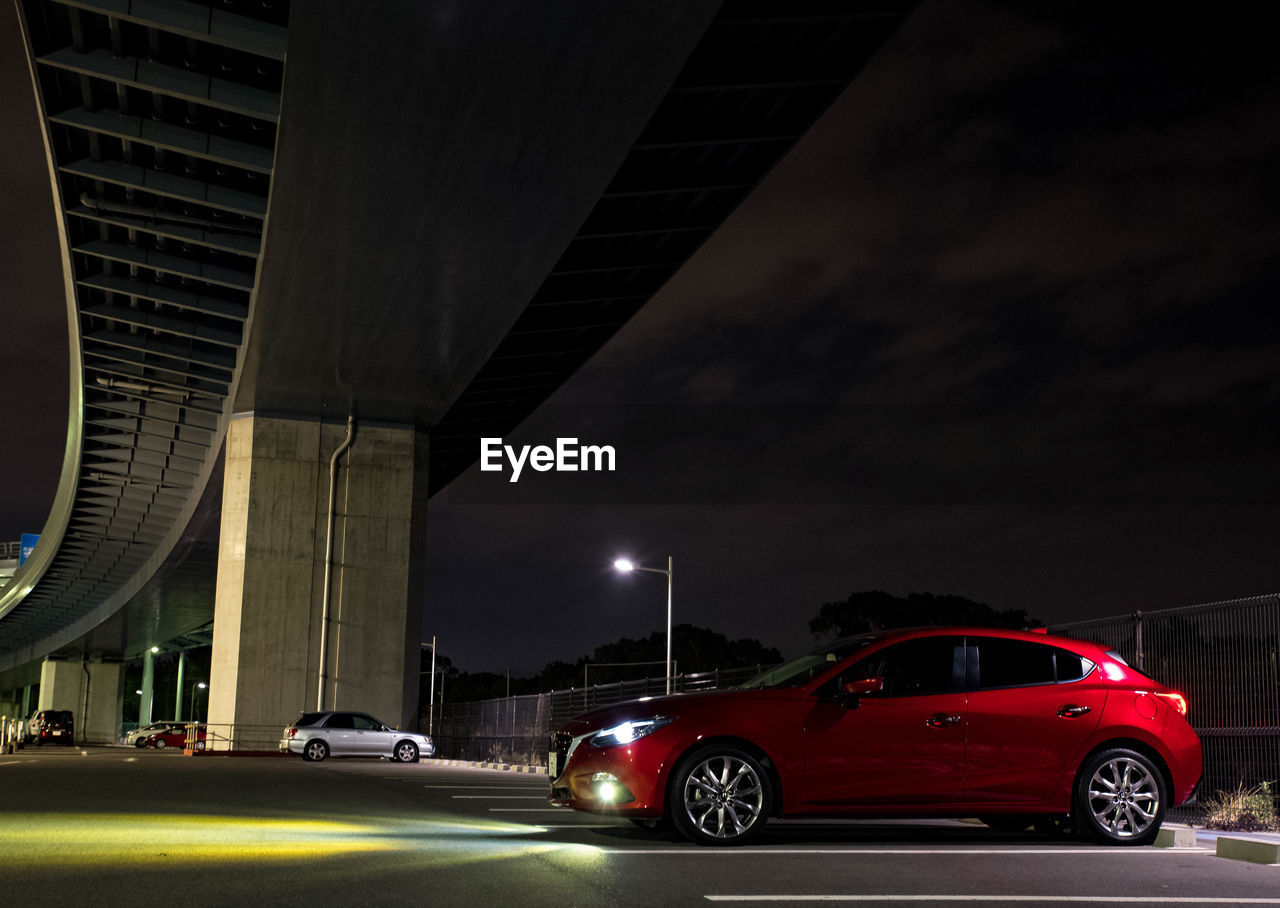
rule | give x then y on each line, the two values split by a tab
175	737
1009	726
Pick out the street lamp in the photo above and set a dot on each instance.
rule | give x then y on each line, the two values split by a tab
431	695
199	685
626	566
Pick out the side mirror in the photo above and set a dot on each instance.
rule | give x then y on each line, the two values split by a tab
852	692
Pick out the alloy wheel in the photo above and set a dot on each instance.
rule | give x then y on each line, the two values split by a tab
1124	797
723	797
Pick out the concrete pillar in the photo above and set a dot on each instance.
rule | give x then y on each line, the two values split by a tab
182	672
93	691
148	697
267	612
103	703
60	687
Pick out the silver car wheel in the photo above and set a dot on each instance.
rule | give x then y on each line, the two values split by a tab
315	750
723	797
406	752
1124	797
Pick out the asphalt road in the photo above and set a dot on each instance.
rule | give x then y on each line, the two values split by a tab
108	826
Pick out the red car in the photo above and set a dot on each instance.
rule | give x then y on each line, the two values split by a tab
175	737
1013	727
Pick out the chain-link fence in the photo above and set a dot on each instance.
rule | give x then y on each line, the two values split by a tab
1225	657
517	729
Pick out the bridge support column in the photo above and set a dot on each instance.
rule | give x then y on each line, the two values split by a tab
271	569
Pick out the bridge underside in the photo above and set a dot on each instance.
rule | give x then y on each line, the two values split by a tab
456	208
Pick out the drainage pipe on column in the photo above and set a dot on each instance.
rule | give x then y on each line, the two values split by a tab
328	560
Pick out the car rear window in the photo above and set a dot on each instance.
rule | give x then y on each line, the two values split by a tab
308	719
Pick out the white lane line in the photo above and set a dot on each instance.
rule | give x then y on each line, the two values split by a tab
499	797
484	787
760	851
526	809
932	898
577	825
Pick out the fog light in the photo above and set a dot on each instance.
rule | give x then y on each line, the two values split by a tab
608	789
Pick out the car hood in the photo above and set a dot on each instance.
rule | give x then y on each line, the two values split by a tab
675	705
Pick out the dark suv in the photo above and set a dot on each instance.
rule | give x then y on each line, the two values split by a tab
52	726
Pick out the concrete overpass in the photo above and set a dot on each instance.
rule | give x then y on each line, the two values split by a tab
313	253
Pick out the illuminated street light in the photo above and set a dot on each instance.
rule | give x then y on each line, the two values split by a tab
626	566
199	685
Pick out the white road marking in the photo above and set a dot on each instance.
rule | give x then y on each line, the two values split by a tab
499	797
759	851
932	898
484	787
488	788
526	809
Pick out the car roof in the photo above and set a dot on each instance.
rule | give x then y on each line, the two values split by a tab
1032	635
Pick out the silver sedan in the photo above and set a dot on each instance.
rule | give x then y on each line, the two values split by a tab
349	734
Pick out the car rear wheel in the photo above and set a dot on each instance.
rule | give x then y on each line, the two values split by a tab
1120	797
315	750
720	796
406	752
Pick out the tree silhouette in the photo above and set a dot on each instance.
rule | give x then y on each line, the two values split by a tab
875	610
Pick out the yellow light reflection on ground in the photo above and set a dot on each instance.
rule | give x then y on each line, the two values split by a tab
140	840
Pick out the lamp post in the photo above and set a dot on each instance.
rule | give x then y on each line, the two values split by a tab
626	566
199	685
431	695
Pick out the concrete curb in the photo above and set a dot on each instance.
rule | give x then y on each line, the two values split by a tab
476	764
1172	835
1253	850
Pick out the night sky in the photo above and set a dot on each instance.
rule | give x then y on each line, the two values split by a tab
1000	326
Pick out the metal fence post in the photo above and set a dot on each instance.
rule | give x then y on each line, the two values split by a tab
1137	633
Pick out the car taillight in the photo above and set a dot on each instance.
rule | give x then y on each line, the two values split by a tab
1177	701
292	732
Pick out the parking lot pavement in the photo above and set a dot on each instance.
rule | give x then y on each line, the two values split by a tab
114	823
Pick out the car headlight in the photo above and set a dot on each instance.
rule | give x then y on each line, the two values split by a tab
628	731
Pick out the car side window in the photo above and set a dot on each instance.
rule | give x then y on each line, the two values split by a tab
339	720
915	668
365	723
1071	666
999	662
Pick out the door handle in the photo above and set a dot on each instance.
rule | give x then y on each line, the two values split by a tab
942	720
1070	712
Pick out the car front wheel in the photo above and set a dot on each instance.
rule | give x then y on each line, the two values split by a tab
405	752
1120	797
720	796
315	750
161	744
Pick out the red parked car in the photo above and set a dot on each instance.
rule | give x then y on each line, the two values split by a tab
176	736
1013	727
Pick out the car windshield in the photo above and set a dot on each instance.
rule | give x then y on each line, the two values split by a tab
803	669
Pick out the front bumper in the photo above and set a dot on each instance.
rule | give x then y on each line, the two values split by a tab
626	779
